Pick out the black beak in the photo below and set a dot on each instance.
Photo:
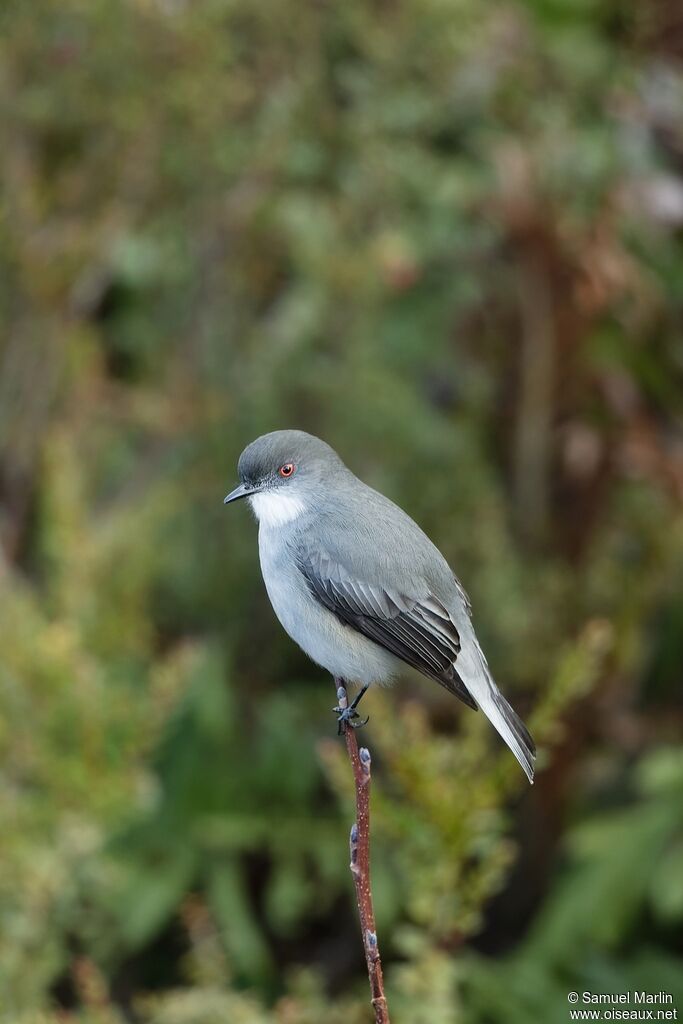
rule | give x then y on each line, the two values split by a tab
240	492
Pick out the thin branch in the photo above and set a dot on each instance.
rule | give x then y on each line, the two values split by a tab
360	861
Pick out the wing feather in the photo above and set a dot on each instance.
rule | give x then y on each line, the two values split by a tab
419	631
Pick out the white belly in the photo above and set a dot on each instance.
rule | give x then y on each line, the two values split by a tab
327	641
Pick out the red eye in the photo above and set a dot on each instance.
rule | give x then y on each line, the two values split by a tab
287	469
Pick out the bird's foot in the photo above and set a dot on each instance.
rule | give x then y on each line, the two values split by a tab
347	712
349	715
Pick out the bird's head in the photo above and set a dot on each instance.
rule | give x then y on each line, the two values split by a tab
282	473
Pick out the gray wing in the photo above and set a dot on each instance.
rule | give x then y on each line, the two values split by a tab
419	631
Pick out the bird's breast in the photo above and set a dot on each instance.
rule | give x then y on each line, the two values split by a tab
326	640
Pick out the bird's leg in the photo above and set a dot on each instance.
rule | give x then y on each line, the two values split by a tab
357	699
347	712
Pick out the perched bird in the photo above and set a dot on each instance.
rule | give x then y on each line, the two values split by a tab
358	585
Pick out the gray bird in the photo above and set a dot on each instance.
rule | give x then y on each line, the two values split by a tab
358	585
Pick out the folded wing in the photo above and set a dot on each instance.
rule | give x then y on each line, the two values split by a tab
419	631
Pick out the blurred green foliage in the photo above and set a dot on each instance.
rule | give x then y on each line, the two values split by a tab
448	238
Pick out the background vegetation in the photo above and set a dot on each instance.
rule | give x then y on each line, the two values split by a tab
448	237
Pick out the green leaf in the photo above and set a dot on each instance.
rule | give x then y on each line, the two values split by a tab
240	930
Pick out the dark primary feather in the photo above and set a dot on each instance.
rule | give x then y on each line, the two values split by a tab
419	631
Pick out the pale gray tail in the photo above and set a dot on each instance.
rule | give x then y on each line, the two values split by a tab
511	728
473	670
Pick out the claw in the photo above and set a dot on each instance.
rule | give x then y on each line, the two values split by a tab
349	715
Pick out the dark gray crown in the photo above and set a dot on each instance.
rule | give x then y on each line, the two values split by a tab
262	458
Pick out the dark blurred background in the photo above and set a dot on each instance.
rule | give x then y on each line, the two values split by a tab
448	238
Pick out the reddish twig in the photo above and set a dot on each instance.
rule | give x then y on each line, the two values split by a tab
360	861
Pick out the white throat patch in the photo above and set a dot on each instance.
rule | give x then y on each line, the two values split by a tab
275	509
